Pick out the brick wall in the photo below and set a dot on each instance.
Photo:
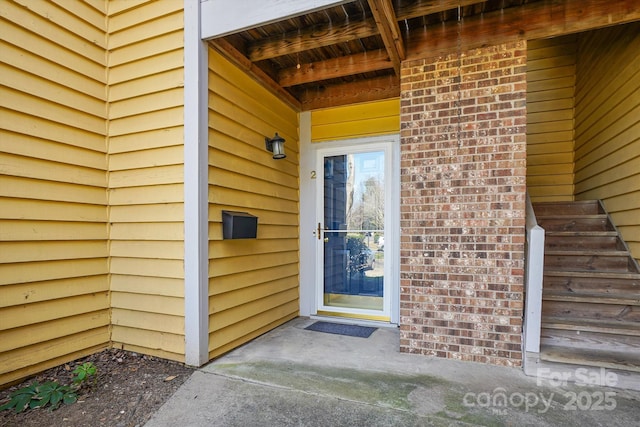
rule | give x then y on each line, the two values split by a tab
463	171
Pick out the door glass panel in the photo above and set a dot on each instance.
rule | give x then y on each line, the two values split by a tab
354	231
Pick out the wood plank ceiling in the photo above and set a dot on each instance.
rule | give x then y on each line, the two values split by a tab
352	52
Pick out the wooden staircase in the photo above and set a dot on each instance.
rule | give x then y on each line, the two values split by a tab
591	291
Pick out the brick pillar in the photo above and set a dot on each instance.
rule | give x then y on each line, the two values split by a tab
463	205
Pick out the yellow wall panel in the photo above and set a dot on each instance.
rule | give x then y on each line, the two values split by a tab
144	230
166	212
32	313
149	285
23	293
172	60
608	124
156	138
148	158
53	329
14	208
132	13
161	101
52	50
37	148
239	333
149	83
148	303
28	83
147	249
26	361
247	279
157	175
248	285
170	193
135	267
146	169
38	271
46	170
550	145
149	321
147	339
146	48
42	129
25	251
355	121
53	185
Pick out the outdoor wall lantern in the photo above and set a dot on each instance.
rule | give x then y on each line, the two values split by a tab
276	146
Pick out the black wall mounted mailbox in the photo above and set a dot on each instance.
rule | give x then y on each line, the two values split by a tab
239	225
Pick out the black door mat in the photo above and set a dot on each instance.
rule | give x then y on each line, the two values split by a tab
342	329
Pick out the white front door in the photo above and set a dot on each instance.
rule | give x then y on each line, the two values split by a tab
356	233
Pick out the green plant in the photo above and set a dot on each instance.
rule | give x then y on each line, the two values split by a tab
51	393
38	395
20	399
83	372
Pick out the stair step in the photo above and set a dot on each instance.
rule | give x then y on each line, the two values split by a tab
587	339
615	261
591	282
586	241
597	311
592	297
589	357
583	207
589	325
575	223
592	274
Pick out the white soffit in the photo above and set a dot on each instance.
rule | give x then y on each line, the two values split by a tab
223	17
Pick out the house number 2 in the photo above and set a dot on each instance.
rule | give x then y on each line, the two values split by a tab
313	174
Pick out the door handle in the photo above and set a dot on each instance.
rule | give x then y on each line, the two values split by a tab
319	232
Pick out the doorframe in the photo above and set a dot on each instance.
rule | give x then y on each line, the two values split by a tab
309	208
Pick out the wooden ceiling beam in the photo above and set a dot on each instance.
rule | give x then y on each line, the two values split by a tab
385	18
541	19
427	8
335	68
232	54
351	93
316	37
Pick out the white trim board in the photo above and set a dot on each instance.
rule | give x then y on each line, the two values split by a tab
224	17
196	256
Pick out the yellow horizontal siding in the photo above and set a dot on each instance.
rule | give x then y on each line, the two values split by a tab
145	195
26	293
25	251
146	158
148	83
149	321
147	340
29	360
52	49
146	175
53	329
36	148
253	283
165	137
550	102
54	283
163	286
355	121
165	212
45	311
608	125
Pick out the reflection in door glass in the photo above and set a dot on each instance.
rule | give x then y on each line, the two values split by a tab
354	231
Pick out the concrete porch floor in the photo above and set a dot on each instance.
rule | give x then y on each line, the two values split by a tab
295	377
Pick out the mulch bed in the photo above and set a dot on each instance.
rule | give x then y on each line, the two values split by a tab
130	387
